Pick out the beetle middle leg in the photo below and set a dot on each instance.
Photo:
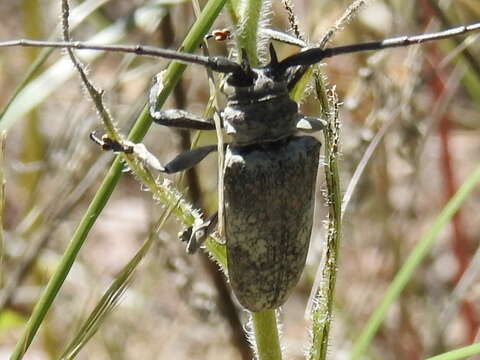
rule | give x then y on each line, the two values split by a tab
171	118
310	124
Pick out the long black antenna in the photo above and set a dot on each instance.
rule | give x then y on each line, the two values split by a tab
315	55
224	65
216	63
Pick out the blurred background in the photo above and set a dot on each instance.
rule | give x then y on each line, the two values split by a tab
416	110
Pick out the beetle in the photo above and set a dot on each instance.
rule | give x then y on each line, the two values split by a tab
270	170
269	179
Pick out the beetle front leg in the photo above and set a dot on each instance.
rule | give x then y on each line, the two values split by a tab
174	117
184	161
310	124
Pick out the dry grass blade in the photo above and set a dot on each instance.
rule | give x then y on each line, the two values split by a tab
112	296
348	15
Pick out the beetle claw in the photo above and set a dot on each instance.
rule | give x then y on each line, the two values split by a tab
185	234
196	235
109	144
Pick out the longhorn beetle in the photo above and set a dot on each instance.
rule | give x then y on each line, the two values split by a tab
270	171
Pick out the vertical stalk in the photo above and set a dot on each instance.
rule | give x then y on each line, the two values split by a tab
33	147
266	335
250	13
460	243
322	310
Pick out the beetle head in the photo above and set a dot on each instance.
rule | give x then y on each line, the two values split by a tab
247	84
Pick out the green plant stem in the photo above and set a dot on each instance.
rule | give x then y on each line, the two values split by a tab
250	12
111	297
55	282
323	307
174	71
266	335
33	148
408	268
457	354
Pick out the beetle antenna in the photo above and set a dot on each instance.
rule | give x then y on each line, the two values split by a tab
315	55
215	63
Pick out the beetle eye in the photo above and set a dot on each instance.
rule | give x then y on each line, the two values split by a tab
243	78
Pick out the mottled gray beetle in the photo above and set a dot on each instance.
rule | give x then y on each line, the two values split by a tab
269	179
270	171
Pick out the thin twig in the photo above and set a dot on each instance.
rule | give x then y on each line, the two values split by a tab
292	19
342	21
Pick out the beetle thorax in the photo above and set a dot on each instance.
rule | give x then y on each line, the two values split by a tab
260	111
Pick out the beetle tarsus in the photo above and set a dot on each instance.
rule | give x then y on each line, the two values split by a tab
127	147
196	235
184	161
108	144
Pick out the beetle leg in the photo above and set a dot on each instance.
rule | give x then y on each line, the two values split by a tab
196	235
180	119
184	161
108	144
310	124
188	159
174	117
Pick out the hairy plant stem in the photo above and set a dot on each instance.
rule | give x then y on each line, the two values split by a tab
323	302
266	335
250	12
